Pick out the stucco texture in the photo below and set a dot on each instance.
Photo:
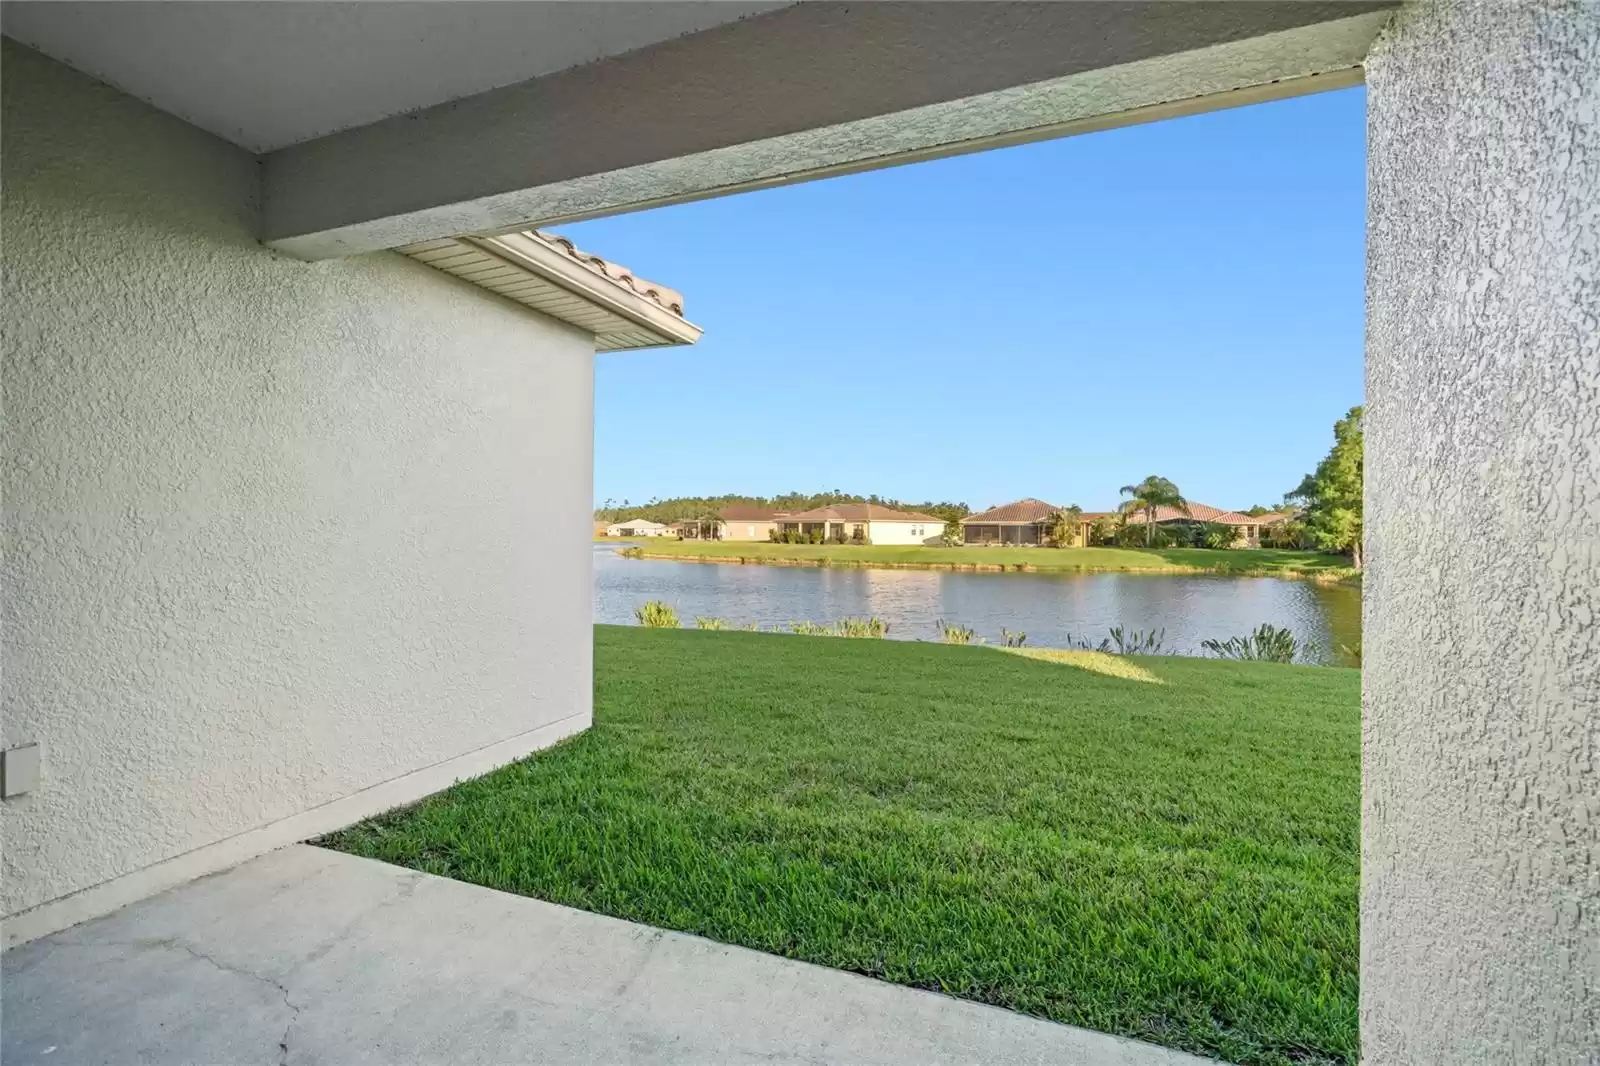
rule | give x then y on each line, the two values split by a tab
274	532
1480	914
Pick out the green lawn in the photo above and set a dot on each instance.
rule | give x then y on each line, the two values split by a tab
1163	847
1067	560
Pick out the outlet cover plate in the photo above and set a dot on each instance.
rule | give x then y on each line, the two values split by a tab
19	770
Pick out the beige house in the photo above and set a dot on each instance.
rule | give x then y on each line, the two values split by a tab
1021	522
735	522
1027	522
870	523
1248	529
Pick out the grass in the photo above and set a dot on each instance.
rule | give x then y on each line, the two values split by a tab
1175	861
1240	561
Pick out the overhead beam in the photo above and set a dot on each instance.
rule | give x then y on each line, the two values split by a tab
807	91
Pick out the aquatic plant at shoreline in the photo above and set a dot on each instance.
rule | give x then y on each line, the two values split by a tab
657	615
951	633
1267	643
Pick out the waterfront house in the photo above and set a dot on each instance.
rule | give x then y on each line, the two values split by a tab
739	521
637	527
1021	522
1248	529
870	523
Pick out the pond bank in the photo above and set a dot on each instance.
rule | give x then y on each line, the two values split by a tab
1306	566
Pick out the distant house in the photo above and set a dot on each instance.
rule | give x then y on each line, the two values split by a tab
740	521
637	527
1020	522
869	522
1249	529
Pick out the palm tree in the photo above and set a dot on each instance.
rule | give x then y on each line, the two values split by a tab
1063	529
1149	494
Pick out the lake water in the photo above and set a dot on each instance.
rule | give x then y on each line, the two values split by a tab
1047	607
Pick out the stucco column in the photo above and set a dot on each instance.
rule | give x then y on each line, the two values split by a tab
1480	908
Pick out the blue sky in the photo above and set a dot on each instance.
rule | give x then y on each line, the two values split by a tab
1054	320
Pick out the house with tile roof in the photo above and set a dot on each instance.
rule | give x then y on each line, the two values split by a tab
1021	522
1027	522
739	521
869	523
1249	529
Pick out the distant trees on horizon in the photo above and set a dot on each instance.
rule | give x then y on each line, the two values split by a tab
692	508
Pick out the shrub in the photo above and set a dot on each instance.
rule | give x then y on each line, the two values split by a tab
1267	644
951	633
710	623
656	615
1132	536
1217	535
815	537
838	536
1103	532
1291	534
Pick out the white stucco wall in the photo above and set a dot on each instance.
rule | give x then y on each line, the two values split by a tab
1480	912
903	532
275	533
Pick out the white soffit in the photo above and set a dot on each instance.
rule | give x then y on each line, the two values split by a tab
547	274
266	75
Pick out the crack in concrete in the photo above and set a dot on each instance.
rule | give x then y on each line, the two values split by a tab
283	990
405	890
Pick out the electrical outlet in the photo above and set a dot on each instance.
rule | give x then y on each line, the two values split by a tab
19	770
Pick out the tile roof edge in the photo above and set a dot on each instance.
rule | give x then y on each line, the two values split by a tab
550	258
667	298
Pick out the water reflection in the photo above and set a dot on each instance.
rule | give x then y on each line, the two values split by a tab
1050	608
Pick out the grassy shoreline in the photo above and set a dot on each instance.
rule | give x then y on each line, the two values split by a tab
1244	562
1162	848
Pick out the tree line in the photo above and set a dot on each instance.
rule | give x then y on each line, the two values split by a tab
694	508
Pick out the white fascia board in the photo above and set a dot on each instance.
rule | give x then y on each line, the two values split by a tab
539	258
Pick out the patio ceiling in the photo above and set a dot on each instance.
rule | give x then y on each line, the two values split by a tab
267	75
653	116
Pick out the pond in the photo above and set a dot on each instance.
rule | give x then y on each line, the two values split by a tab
1050	608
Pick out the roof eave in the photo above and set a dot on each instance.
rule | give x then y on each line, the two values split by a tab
979	520
560	269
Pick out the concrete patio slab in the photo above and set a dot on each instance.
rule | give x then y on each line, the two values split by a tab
311	956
